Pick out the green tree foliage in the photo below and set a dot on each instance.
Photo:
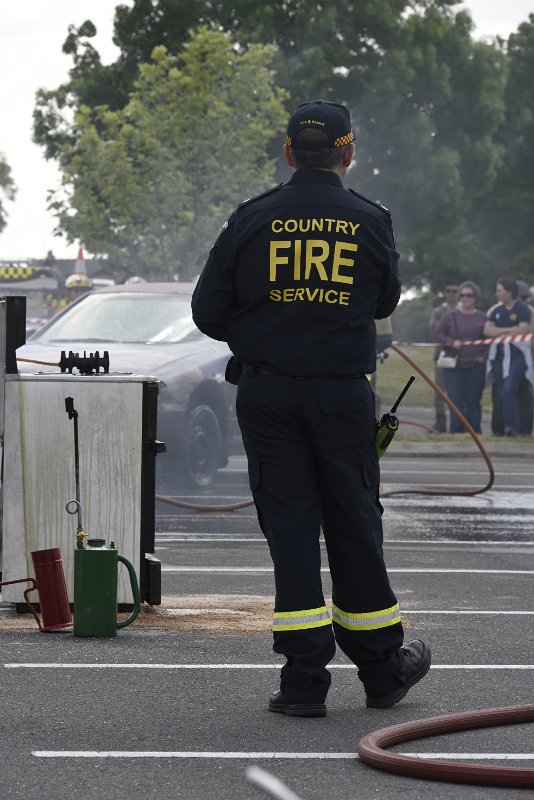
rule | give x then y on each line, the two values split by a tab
435	111
313	39
90	84
506	213
428	124
7	189
149	184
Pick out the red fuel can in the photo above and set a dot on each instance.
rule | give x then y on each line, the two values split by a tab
53	596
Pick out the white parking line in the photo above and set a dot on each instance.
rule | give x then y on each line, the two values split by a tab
212	514
404	570
180	754
482	666
401	469
264	755
260	539
215	538
112	665
476	756
501	486
466	542
471	612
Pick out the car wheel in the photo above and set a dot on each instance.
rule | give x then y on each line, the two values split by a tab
202	449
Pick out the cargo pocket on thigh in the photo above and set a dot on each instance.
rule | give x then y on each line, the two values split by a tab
371	482
343	417
254	479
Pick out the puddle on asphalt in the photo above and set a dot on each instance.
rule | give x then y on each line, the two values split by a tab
494	516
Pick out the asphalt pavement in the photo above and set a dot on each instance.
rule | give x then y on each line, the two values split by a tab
181	711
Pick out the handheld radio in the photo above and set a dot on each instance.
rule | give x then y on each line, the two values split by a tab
389	424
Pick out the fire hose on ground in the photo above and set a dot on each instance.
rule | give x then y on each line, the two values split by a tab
371	748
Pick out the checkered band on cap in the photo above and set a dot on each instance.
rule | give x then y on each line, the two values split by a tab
331	119
343	140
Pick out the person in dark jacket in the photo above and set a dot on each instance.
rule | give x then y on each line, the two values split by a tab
510	363
450	302
294	283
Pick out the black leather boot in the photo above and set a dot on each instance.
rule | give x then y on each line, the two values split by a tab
278	704
416	659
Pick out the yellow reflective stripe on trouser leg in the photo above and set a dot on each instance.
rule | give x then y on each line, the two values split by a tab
301	620
367	621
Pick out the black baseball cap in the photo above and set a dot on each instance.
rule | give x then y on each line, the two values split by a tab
331	118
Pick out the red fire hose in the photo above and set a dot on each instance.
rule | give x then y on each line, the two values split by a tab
436	492
469	429
371	748
197	507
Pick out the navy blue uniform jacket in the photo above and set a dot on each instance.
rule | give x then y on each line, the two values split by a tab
296	279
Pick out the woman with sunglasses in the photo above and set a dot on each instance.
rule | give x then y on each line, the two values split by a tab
465	382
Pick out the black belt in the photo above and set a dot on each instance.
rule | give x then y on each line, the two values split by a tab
252	369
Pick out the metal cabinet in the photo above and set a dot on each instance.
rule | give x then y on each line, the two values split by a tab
117	418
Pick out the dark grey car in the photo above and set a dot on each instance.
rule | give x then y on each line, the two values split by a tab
148	330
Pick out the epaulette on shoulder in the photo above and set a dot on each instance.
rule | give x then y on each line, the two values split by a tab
243	205
371	202
259	196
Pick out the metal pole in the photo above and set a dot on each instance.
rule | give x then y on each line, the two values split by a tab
2	418
2	368
73	414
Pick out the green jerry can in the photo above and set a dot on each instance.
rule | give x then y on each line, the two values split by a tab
95	589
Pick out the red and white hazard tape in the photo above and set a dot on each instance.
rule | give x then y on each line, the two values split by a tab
519	337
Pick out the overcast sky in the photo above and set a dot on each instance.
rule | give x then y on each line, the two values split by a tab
31	35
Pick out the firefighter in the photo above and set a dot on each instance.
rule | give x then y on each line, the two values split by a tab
53	303
77	284
293	284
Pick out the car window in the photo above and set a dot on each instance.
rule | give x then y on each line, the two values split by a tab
122	317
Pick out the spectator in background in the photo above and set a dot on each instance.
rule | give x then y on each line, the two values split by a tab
465	382
525	388
526	406
384	340
121	275
450	295
509	363
524	293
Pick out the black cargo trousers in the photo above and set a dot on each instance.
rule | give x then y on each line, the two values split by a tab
312	462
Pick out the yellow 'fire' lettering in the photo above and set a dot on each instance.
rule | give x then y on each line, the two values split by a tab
339	261
316	259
